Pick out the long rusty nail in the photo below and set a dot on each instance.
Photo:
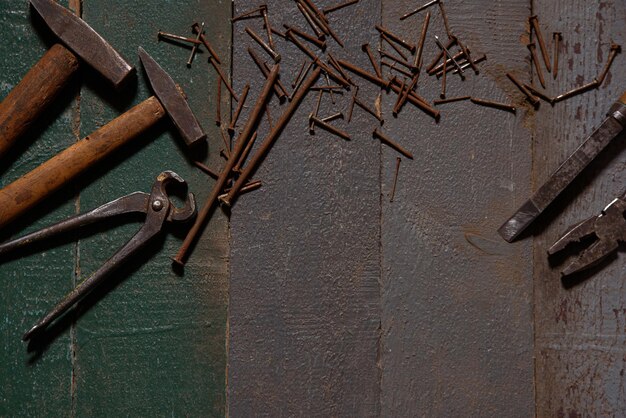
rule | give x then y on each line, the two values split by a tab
180	258
249	14
467	65
495	105
268	28
336	89
244	95
295	81
328	127
557	37
397	39
313	18
307	17
468	56
593	85
366	48
364	74
226	144
218	68
279	33
278	82
419	9
392	66
206	169
447	53
397	60
280	93
533	53
333	62
218	106
338	115
271	137
317	61
445	77
245	152
420	45
275	55
395	179
339	6
539	94
318	43
450	44
316	11
439	67
451	100
446	24
534	21
323	21
529	96
388	141
317	109
306	72
365	107
405	96
396	106
393	45
196	28
615	49
195	46
330	91
161	34
251	186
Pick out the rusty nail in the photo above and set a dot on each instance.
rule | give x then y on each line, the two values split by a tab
420	45
438	68
467	65
339	6
393	67
180	257
396	60
529	96
388	141
615	49
266	47
245	152
352	103
330	91
393	45
317	109
317	61
405	96
313	17
269	116
419	9
328	127
338	115
268	28
451	43
534	21
306	72
196	28
468	57
317	42
161	34
253	185
362	73
279	33
535	59
366	48
365	107
309	19
195	46
244	95
396	107
333	62
218	107
249	14
278	82
395	179
397	39
557	37
226	143
444	16
445	77
495	105
336	89
539	94
593	85
218	68
206	169
451	100
322	20
447	53
280	93
271	137
295	81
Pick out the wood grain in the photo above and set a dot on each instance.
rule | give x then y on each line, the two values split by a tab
580	330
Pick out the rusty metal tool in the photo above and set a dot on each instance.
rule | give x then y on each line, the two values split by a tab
158	209
567	172
51	74
608	228
63	168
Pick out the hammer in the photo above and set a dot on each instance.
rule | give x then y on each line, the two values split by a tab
63	168
53	71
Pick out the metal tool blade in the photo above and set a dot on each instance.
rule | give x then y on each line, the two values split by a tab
575	233
560	179
172	100
84	41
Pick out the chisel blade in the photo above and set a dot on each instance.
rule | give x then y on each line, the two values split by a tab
565	174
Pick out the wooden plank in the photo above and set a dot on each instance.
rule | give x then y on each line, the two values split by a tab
457	335
34	381
580	330
304	295
154	344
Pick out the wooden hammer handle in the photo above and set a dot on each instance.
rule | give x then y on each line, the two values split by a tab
34	93
32	188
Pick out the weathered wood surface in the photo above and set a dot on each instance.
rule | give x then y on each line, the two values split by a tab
580	326
304	312
154	344
457	334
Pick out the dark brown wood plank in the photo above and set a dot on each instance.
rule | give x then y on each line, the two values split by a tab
580	330
304	295
457	334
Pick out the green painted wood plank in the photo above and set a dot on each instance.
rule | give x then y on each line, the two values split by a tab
33	383
155	344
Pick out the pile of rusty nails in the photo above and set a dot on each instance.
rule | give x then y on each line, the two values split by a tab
407	61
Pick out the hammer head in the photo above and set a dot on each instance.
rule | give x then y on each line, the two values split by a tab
85	42
172	100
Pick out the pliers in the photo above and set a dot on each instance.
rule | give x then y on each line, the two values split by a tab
158	209
609	228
